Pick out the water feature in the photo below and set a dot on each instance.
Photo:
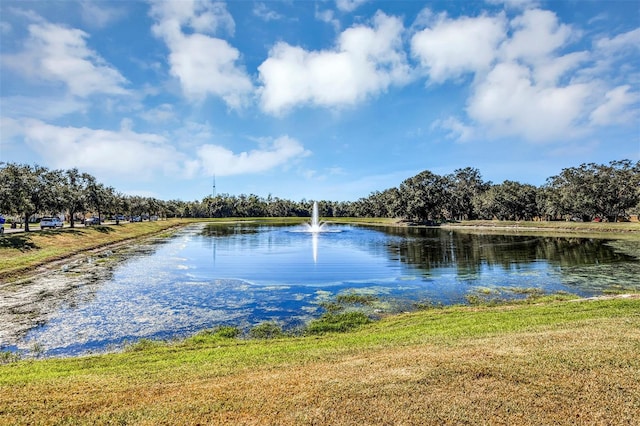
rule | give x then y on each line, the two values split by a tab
315	225
314	228
246	273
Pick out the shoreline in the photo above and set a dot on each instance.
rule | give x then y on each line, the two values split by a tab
412	366
69	255
38	292
505	305
617	230
63	274
574	227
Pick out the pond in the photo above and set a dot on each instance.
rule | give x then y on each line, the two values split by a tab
246	273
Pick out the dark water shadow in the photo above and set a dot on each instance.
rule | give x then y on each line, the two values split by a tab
225	230
429	249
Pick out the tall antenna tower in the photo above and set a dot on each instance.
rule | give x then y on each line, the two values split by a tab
213	193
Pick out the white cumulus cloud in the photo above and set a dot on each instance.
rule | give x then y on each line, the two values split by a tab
449	48
121	153
529	80
365	62
618	107
456	129
204	64
216	159
263	12
349	5
509	103
630	39
57	54
99	14
537	34
44	107
203	16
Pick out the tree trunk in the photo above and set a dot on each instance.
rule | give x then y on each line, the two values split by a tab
26	222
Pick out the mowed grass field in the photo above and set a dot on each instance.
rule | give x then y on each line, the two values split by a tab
551	362
22	252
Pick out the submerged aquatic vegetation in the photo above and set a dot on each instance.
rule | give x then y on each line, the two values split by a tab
619	289
628	247
353	298
532	291
427	304
505	296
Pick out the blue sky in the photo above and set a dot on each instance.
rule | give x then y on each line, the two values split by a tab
316	100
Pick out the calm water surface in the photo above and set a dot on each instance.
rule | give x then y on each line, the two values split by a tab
209	275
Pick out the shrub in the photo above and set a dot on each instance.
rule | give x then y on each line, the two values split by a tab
532	291
227	332
331	306
217	333
342	322
7	357
143	345
266	330
426	305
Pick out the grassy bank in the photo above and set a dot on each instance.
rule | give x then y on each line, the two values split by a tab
23	252
618	228
549	363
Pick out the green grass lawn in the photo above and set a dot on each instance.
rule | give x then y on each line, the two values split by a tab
545	363
585	227
24	251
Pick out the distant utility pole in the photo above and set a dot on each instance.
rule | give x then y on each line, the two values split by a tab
213	196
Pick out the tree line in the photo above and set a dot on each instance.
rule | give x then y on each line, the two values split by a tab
589	191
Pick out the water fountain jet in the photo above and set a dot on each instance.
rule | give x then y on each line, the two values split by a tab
315	225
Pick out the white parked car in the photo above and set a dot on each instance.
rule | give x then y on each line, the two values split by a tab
51	222
92	221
